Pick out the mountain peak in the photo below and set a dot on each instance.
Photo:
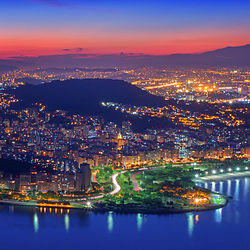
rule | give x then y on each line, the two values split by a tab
228	56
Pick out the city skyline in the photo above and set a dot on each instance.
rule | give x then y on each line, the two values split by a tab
45	27
124	124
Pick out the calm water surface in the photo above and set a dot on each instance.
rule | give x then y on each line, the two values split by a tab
227	228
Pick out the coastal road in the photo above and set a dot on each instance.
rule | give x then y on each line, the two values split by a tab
224	176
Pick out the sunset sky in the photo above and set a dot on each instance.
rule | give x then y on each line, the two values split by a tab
46	27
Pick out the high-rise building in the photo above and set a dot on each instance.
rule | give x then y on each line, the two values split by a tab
83	178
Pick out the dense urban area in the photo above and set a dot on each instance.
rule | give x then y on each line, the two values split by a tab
75	157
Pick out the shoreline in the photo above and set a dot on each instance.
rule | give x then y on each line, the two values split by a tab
223	176
161	211
130	209
120	209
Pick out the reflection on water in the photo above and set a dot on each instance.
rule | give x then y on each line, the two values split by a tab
190	219
236	193
218	215
196	218
139	221
66	222
35	222
238	189
53	210
221	187
110	221
229	187
246	187
213	186
12	209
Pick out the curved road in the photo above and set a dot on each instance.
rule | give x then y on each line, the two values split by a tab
115	183
118	187
136	186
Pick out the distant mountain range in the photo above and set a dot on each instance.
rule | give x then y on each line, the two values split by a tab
6	66
229	56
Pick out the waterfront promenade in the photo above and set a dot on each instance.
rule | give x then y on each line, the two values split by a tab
224	176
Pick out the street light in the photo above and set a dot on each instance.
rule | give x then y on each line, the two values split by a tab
238	169
196	176
214	172
221	170
229	169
